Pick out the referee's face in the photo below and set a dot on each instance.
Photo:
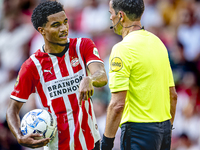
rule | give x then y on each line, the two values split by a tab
115	19
57	28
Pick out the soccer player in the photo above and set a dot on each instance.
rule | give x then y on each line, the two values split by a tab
57	72
143	99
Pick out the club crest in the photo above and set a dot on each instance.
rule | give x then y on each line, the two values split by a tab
74	62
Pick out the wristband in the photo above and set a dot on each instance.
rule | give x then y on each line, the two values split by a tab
172	127
107	143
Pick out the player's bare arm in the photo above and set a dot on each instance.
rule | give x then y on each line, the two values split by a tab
98	78
173	101
98	74
12	117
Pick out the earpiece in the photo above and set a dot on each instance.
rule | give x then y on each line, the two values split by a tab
111	27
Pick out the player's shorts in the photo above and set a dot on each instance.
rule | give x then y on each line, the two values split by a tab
146	136
53	145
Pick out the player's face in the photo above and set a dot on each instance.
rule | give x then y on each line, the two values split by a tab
114	19
57	28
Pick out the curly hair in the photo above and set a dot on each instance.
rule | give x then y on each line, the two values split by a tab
133	8
43	10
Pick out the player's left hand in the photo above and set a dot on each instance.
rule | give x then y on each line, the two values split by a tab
86	89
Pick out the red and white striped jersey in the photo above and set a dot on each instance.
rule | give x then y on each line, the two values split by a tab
56	80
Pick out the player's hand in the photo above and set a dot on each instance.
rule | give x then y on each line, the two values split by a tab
30	141
86	89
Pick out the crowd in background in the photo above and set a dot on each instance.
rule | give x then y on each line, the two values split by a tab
175	22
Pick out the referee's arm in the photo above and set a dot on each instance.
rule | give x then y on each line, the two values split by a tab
173	101
114	115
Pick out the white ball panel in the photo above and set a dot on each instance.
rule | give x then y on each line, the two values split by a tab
39	121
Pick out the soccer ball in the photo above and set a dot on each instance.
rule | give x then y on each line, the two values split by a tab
39	121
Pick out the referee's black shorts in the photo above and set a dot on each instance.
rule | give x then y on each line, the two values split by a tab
146	136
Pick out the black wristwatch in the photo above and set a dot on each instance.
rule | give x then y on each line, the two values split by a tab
172	127
107	143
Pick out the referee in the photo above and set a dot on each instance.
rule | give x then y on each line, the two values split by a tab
143	100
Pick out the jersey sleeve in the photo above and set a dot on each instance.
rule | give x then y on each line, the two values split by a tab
24	85
119	69
89	51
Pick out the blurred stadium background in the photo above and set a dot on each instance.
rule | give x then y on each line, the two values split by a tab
175	22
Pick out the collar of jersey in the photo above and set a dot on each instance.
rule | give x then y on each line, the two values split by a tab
61	53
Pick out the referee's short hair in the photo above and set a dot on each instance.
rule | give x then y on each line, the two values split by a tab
43	10
133	8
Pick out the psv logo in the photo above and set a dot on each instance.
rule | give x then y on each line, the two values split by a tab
74	62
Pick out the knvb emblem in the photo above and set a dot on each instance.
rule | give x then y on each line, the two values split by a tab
17	81
116	64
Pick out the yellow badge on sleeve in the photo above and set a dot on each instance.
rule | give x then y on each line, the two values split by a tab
17	81
116	64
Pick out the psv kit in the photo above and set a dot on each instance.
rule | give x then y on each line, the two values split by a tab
56	80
